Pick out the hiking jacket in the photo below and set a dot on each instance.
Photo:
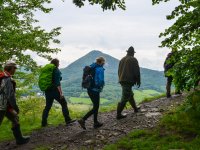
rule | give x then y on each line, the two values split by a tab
129	71
7	93
98	77
57	77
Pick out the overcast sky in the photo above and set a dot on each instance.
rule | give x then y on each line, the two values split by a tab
89	28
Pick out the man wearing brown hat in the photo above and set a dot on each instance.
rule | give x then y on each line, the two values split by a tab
8	106
129	75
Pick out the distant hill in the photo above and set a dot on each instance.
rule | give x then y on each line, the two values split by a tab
72	74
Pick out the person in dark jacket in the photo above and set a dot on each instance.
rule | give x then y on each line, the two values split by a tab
94	92
8	105
129	75
168	64
55	92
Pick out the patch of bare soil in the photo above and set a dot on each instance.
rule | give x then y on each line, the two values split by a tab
74	137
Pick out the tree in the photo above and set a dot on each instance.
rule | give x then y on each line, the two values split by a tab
19	33
105	4
184	37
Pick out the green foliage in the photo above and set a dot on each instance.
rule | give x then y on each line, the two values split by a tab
178	129
19	32
153	140
78	100
184	37
30	116
26	81
105	4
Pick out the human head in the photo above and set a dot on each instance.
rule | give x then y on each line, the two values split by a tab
131	51
55	62
100	60
10	67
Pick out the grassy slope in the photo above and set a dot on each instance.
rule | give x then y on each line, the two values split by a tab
179	129
79	100
31	111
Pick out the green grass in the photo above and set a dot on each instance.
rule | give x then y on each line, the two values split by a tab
78	100
178	129
145	94
31	111
153	140
30	116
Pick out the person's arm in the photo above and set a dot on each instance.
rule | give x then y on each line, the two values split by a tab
57	77
137	72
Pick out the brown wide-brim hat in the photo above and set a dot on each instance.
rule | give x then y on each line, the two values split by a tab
131	50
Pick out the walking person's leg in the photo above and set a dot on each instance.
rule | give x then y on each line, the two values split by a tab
125	97
92	111
96	102
132	101
20	139
49	102
168	86
65	110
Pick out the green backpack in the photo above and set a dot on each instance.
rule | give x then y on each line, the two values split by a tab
46	76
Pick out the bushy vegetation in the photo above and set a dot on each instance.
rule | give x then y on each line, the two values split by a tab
31	113
178	129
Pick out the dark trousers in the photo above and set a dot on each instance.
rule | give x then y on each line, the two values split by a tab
95	98
128	95
168	86
50	96
12	116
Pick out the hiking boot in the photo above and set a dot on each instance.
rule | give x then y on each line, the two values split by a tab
134	106
68	122
137	110
97	125
178	93
18	136
82	123
169	96
120	108
121	116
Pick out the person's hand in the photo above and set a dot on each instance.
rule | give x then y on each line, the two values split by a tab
16	109
138	85
62	97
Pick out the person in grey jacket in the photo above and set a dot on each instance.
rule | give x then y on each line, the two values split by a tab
8	106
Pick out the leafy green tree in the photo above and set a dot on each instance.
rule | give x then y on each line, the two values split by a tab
19	32
105	4
184	37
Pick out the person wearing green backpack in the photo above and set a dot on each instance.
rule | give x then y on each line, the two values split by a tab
53	91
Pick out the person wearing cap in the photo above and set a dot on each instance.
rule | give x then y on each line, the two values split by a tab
8	106
129	75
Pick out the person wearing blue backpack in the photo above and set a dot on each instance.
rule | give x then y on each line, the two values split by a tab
55	92
96	86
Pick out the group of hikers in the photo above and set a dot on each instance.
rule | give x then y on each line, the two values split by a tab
93	81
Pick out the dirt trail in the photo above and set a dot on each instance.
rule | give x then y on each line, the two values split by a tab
73	137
